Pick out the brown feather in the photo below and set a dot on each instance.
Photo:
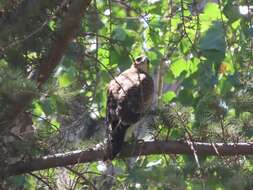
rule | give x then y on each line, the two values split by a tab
129	96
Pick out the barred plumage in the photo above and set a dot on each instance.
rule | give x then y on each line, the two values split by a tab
129	96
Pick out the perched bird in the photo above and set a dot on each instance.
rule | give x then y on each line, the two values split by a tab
129	96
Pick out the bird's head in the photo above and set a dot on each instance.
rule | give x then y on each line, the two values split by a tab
141	63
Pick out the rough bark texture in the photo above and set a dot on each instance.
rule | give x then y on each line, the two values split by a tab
65	34
145	148
70	26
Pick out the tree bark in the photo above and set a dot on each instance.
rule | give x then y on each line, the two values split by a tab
70	26
66	33
129	150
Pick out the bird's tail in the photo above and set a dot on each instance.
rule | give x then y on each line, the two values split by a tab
116	140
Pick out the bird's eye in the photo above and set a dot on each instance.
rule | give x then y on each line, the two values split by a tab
138	59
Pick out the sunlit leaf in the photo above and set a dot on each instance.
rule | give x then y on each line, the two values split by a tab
52	25
168	96
211	13
65	80
178	67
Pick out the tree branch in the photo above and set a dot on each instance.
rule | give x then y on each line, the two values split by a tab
64	35
144	148
70	26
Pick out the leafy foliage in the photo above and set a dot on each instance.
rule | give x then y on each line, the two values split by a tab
202	52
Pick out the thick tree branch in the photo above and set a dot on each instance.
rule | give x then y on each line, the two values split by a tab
64	35
70	26
145	148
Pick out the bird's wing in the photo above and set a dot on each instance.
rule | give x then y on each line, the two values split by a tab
129	96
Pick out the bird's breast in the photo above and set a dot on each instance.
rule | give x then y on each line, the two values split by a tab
123	83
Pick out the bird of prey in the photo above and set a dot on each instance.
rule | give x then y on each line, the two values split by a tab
129	96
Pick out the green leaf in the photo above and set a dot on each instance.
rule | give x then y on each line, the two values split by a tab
154	37
232	12
37	109
120	56
212	44
55	124
133	24
206	76
211	13
178	66
169	77
130	39
168	96
52	25
64	80
46	107
3	62
67	78
194	65
60	105
224	85
32	55
103	57
119	34
214	38
154	56
185	97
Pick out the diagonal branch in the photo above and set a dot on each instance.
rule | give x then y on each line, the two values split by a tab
64	35
70	26
144	148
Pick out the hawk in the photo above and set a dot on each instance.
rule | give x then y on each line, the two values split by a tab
129	96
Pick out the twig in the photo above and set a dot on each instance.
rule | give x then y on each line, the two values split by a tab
81	176
41	179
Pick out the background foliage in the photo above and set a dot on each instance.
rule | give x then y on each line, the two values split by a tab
201	56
